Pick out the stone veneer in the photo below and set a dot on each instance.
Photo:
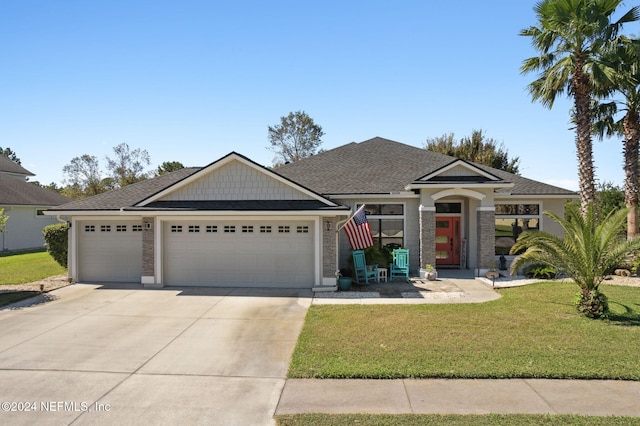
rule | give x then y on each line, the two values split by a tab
486	237
329	266
427	240
148	239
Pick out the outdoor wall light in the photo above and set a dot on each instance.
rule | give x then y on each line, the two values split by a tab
327	225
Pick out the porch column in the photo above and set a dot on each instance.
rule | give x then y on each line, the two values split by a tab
148	257
329	250
486	237
427	236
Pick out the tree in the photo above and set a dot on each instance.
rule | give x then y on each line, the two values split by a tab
571	36
295	138
625	59
586	253
7	152
127	166
3	220
84	177
169	167
609	199
477	149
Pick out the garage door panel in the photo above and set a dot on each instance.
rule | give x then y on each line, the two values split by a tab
109	251
253	259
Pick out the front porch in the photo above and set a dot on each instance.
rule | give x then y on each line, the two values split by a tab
452	286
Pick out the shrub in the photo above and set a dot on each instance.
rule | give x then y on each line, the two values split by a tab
592	304
540	271
57	237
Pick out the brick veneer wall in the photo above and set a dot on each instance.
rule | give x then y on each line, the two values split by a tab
328	247
486	238
427	237
148	240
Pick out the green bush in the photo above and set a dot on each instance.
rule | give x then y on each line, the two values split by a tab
56	237
540	271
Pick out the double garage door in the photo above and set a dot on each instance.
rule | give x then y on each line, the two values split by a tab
239	254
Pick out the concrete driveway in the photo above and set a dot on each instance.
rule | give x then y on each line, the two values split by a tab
123	355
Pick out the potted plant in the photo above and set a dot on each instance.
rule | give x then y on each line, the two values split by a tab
430	272
344	280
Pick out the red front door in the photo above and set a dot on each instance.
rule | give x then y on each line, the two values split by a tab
448	241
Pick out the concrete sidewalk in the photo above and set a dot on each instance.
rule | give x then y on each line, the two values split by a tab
462	396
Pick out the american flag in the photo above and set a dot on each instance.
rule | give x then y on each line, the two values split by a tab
358	231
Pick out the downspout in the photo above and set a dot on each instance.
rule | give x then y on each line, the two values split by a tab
338	228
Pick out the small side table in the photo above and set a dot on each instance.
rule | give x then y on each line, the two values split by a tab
382	275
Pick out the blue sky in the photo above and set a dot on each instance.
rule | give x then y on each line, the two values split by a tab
191	81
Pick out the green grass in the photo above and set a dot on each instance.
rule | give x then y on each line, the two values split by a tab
456	420
27	267
531	332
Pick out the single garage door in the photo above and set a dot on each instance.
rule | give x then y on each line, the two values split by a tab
239	254
109	251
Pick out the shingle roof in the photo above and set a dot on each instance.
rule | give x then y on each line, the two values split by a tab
18	192
9	166
382	166
130	194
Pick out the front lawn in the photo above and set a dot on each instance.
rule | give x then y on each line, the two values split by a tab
27	267
531	332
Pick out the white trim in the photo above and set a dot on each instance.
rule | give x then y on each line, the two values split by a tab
486	209
222	162
492	185
408	194
464	164
126	214
73	256
158	249
458	191
317	252
426	209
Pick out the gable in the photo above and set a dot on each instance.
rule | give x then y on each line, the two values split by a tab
459	171
235	181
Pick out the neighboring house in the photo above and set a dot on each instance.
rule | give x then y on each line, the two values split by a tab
236	223
24	203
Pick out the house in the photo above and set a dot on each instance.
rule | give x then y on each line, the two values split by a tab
236	223
24	203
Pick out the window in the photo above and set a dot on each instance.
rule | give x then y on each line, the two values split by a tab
212	228
121	228
176	228
229	228
387	223
513	219
247	228
284	229
302	229
89	228
105	228
265	229
448	208
194	228
136	228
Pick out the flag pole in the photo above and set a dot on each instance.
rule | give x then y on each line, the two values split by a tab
351	217
338	239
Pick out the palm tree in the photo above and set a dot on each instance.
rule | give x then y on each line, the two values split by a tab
626	60
586	252
570	36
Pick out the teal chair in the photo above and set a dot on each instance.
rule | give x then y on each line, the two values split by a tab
363	274
400	266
